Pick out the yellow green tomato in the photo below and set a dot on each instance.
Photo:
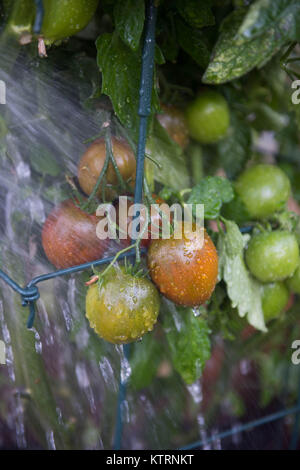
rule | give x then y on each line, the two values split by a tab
264	189
208	117
63	18
294	282
274	298
272	256
123	308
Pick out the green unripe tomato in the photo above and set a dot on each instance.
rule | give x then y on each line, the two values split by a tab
63	18
274	298
293	282
208	117
124	308
264	189
272	256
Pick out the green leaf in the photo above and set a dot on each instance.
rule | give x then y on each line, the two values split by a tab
196	13
212	191
236	210
129	20
145	358
42	161
194	42
120	68
188	338
282	15
234	55
243	290
172	170
235	149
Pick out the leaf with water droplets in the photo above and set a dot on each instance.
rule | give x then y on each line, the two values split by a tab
121	67
188	338
129	18
212	191
242	289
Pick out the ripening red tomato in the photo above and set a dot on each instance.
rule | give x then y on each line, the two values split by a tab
69	236
92	162
185	270
174	122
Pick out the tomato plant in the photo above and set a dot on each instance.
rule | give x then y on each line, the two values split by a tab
264	189
69	236
273	256
92	162
224	70
123	308
185	270
208	117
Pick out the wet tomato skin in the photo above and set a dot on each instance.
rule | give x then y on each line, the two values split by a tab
272	256
263	189
184	270
208	117
66	18
174	122
275	297
93	160
69	236
124	308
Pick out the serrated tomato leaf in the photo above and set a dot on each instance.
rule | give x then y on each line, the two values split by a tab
145	358
282	15
234	55
212	191
129	18
120	67
242	289
188	339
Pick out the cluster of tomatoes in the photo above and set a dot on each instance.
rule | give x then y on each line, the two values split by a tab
272	255
61	19
121	306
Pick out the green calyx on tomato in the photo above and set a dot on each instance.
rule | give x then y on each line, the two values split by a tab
66	18
264	189
272	256
123	307
208	117
274	298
